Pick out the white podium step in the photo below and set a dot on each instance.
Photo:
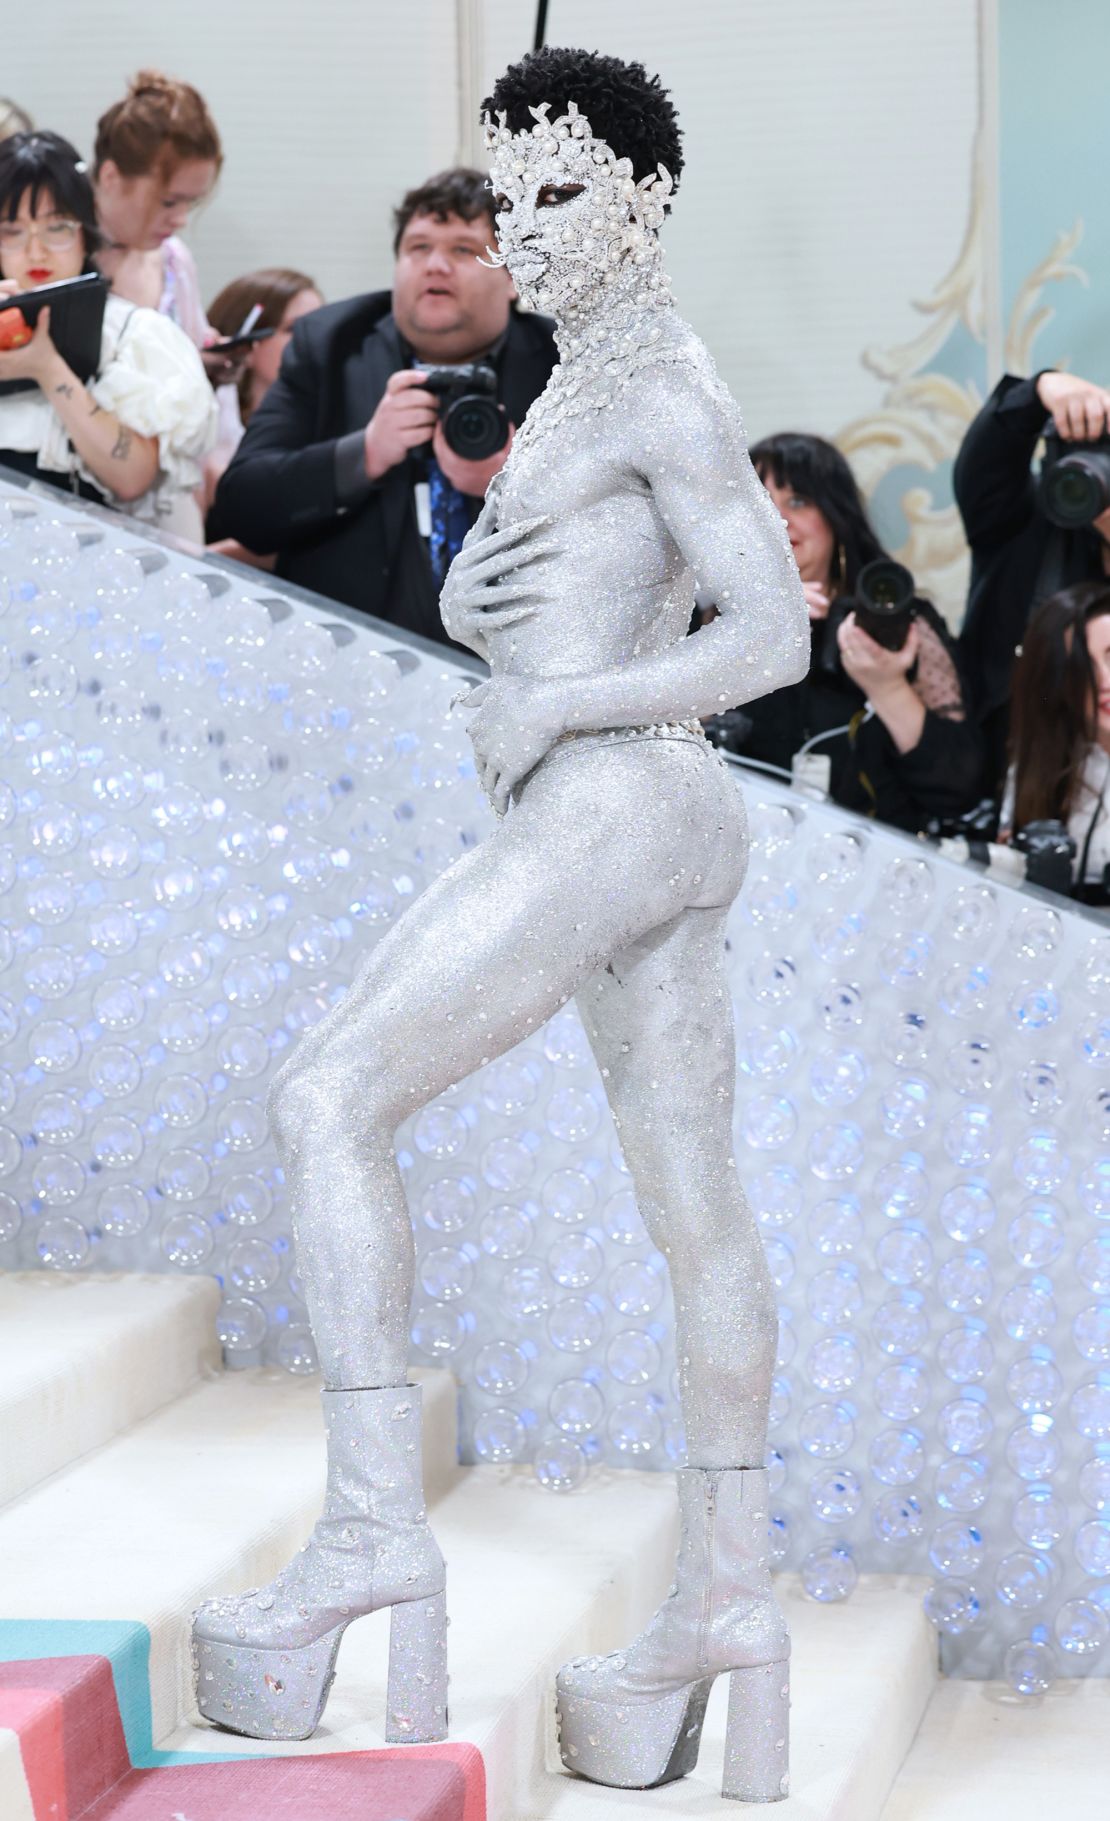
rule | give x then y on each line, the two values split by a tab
984	1753
82	1357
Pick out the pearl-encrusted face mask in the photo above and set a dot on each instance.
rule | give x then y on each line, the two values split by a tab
571	218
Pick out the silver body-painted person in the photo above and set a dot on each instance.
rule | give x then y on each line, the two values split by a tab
622	845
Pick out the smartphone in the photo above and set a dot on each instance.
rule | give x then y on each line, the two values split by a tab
231	342
76	322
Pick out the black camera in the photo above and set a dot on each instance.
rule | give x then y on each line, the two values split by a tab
1049	852
474	424
1074	485
883	604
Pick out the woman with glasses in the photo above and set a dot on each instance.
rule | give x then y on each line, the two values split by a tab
135	433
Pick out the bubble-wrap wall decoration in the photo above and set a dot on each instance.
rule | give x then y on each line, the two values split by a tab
214	799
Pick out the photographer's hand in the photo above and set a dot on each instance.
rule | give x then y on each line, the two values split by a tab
469	477
1079	408
883	677
405	418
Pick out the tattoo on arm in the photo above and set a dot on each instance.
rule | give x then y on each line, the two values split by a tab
121	448
65	389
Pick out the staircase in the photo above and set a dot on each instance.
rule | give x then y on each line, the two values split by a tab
139	1479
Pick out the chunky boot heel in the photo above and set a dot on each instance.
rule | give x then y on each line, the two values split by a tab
757	1743
416	1700
637	1745
266	1694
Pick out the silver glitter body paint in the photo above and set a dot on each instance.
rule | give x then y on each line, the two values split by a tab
628	488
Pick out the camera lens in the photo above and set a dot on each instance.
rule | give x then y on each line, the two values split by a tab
475	428
1076	489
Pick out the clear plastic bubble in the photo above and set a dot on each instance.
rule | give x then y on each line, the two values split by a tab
500	1368
835	1227
634	1428
241	1324
113	930
838	1077
1034	1383
58	1179
962	1484
834	1295
186	1241
575	1261
838	935
621	1219
780	1261
54	1046
965	1425
184	1028
11	1218
116	1142
965	990
776	1195
1092	1547
242	1051
296	1350
1028	1311
769	1121
448	1204
1033	1449
956	1548
829	1573
183	1175
572	1115
766	1051
780	1401
826	1431
61	1243
507	1163
247	1200
836	1152
897	1518
439	1131
897	1457
510	1085
1034	1008
965	1282
1040	1162
904	1256
499	1435
253	1266
636	1287
1094	1482
1040	1088
952	1606
1090	1408
576	1406
965	1353
1094	1189
57	1120
575	1325
772	902
1036	1234
834	1363
969	1136
841	1008
906	959
1081	1628
568	1195
970	914
242	1125
1040	1518
901	1324
565	1042
559	1464
446	1273
506	1231
906	1041
835	1495
123	1210
1030	1667
901	1188
1091	1332
181	1101
836	859
437	1330
51	900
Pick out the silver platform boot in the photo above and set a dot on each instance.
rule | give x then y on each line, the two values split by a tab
633	1720
265	1660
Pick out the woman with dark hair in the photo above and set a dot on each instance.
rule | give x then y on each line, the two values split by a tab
893	724
284	296
1060	730
135	434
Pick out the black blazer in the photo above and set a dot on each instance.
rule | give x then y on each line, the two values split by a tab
281	491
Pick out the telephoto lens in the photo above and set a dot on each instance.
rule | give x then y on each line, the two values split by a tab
884	601
474	424
1074	486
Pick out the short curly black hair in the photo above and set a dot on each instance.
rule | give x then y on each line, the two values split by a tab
625	106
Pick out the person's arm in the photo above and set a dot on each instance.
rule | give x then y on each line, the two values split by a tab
992	482
124	462
693	455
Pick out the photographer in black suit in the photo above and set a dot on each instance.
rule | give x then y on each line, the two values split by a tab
344	470
1018	556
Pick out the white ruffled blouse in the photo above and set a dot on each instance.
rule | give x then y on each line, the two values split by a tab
151	376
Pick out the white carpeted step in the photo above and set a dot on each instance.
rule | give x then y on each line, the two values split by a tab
984	1753
212	1493
82	1357
535	1579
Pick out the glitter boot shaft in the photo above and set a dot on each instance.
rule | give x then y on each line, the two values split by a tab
265	1660
633	1720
